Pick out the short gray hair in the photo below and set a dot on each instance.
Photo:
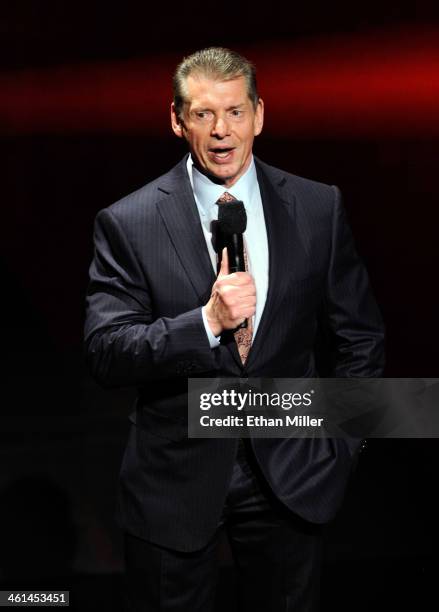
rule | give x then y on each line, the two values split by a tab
216	63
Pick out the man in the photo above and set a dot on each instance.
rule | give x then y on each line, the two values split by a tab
157	314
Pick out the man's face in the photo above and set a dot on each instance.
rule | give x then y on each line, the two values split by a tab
220	123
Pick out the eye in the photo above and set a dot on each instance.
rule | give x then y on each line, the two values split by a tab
236	113
204	115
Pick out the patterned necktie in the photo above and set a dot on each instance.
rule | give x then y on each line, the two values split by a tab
243	335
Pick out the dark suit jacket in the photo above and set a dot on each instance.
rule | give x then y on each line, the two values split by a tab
151	275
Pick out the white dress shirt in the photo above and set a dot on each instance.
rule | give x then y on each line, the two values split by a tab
246	189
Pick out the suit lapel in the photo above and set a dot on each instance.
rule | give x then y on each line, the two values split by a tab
279	206
279	212
179	212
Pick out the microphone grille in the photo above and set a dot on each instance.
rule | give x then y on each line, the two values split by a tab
232	217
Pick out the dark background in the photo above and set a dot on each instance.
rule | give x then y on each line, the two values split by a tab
85	91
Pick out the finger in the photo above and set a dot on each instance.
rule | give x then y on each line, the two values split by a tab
224	270
241	281
228	291
244	278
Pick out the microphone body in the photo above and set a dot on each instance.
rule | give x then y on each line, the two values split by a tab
235	252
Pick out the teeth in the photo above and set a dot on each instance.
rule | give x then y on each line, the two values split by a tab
222	154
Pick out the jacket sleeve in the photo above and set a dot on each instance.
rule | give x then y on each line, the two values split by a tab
124	343
354	318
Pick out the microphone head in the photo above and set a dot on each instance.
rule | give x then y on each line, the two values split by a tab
232	217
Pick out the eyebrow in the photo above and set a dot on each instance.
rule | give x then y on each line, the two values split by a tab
236	106
199	109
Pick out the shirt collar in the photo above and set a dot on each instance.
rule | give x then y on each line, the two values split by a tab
207	192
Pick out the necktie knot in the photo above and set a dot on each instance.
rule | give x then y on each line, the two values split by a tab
225	198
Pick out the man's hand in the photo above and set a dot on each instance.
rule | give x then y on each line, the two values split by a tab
233	299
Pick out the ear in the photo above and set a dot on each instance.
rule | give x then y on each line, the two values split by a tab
259	117
176	124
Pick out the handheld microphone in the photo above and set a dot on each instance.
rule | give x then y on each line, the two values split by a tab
232	223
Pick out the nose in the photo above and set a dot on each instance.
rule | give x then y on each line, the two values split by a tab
220	127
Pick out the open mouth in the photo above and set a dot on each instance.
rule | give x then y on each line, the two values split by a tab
221	153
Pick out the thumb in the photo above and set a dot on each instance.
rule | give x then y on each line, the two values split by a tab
224	270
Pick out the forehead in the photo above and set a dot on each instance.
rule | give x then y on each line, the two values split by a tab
207	92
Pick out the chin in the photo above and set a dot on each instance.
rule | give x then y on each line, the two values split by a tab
226	173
